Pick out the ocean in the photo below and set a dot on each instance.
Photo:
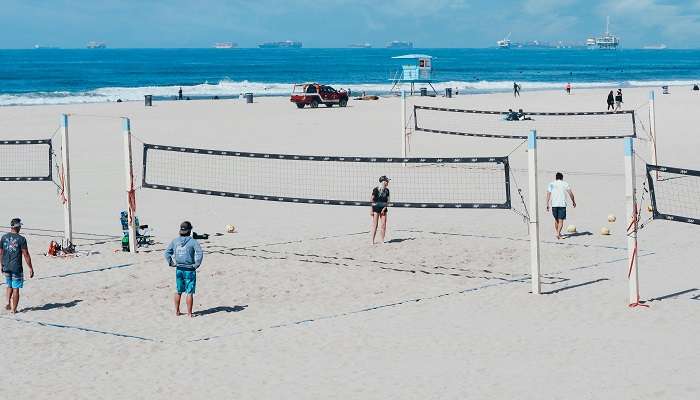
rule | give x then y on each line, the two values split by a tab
57	76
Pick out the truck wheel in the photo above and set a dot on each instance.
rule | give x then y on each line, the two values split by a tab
314	103
300	105
343	102
329	105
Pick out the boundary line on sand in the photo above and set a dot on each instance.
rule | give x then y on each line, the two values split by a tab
80	328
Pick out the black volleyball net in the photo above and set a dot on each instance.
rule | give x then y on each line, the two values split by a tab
25	160
516	125
467	182
675	193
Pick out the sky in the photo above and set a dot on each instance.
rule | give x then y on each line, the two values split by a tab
337	23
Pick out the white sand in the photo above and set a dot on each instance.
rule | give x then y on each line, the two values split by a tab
299	281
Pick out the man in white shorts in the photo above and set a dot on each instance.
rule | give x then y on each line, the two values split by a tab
556	197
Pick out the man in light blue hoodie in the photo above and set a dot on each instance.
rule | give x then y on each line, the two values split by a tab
186	256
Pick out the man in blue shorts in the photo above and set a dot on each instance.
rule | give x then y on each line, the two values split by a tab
185	254
13	247
556	197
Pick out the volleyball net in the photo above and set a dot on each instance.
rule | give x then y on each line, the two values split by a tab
513	124
465	182
675	193
25	160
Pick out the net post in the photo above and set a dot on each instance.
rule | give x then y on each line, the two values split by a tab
67	212
534	225
652	131
130	191
631	208
403	124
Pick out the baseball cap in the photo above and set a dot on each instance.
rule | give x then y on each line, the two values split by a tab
16	223
185	228
384	178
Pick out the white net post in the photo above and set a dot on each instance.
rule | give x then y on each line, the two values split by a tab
631	208
404	136
67	213
652	131
535	214
130	191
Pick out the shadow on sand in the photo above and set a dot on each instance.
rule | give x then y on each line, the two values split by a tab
576	286
219	309
52	306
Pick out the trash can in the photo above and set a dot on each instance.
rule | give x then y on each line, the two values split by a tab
423	91
249	97
148	100
448	92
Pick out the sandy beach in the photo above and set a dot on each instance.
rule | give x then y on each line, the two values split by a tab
298	305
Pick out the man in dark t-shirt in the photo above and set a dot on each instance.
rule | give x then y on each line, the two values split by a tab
13	247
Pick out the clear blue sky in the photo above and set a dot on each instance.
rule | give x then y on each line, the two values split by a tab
336	23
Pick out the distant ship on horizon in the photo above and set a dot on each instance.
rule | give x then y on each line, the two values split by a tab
605	42
43	47
360	46
96	45
225	45
504	43
287	44
398	44
655	47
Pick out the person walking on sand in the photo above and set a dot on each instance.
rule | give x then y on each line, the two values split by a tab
611	101
516	89
13	247
179	93
380	202
618	100
185	255
556	197
568	88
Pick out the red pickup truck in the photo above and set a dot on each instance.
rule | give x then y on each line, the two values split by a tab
313	94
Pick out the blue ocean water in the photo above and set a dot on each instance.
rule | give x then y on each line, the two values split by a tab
41	76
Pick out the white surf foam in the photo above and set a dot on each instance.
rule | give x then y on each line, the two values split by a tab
229	88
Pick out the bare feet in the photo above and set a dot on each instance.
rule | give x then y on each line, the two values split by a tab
190	315
7	307
178	313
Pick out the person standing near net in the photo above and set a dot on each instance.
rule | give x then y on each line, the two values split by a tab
13	247
556	197
516	89
380	202
618	100
185	255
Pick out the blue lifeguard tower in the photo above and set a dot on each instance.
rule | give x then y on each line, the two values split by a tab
420	71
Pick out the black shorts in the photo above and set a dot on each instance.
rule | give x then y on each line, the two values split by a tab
559	213
378	209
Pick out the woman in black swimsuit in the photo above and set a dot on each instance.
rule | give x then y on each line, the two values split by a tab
380	200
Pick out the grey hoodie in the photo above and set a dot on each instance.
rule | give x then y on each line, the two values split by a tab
184	253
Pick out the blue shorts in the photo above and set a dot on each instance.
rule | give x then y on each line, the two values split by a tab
14	281
559	213
186	281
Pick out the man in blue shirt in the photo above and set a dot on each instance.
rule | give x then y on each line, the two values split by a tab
13	247
185	254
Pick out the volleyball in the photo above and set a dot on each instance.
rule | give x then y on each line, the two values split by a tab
571	229
612	218
230	228
604	231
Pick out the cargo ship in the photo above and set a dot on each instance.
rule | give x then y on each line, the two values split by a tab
225	45
397	44
96	45
287	44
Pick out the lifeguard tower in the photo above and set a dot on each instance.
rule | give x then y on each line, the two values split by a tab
420	71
